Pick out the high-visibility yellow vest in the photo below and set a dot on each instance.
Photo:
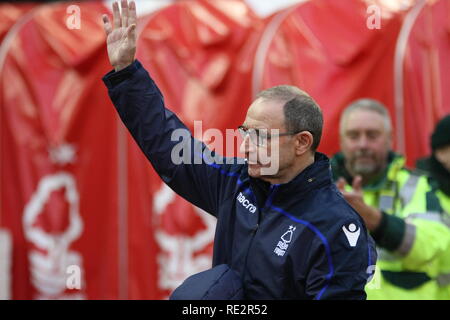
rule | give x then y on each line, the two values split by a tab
444	201
418	268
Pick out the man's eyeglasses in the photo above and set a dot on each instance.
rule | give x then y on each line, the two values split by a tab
259	137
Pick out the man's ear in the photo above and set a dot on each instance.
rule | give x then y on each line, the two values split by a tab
303	142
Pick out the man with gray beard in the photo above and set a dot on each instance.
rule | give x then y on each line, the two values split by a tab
399	208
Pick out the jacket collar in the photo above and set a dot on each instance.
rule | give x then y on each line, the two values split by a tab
316	175
440	176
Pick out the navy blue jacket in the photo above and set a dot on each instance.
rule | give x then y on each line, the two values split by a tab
299	240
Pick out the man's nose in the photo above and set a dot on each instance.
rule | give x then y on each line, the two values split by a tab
247	146
362	142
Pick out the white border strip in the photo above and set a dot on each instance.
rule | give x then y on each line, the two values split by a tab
4	49
263	47
399	60
122	210
122	188
5	264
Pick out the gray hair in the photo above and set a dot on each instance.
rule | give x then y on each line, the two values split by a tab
301	112
366	105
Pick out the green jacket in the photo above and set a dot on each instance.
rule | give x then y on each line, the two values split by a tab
413	238
439	180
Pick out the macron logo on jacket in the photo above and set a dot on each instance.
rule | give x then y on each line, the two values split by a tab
247	205
352	234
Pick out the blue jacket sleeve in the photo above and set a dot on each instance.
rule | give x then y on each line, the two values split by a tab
339	271
182	162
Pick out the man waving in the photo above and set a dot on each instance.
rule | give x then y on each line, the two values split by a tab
282	226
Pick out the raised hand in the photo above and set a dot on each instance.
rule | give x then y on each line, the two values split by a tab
371	216
121	35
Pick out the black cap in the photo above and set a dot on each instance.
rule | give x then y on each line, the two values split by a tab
441	134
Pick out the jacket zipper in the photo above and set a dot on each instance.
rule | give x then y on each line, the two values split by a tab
267	205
